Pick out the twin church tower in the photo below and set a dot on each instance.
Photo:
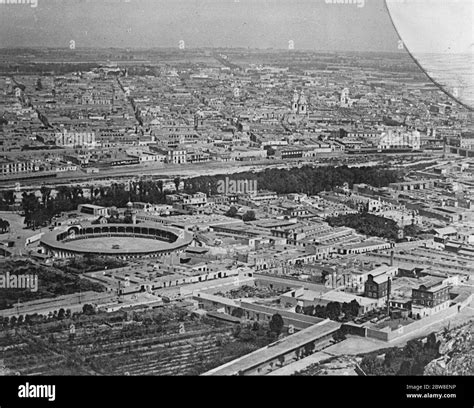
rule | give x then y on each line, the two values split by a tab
299	104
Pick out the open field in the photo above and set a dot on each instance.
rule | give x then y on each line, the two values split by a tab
18	231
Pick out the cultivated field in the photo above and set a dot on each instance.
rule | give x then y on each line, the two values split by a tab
166	341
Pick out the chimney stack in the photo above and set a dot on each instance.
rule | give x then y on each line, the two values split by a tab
389	288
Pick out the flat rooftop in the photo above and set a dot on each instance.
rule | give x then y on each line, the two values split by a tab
274	350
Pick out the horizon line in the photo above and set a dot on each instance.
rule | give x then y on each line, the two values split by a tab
138	48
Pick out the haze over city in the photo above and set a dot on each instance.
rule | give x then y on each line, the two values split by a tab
310	24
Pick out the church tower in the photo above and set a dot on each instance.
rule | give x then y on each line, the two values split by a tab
302	104
294	104
344	101
8	87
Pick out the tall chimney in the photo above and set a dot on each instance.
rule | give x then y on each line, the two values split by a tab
389	288
391	257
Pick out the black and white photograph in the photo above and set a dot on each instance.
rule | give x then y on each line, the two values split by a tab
197	191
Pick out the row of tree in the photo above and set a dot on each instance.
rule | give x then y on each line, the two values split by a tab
234	213
367	224
40	211
307	179
27	319
333	310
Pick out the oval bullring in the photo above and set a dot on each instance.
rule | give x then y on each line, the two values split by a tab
125	241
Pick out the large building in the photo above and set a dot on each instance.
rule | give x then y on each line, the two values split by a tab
15	167
125	241
431	297
377	287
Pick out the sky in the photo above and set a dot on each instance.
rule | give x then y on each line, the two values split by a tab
304	24
435	26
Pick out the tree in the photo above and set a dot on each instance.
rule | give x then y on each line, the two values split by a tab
371	365
232	212
309	348
431	343
9	197
88	309
277	323
367	224
351	309
354	308
30	205
308	310
40	218
249	216
418	366
255	326
320	311
270	151
238	313
333	310
405	368
177	182
4	226
339	336
390	357
76	192
412	230
159	184
45	194
413	348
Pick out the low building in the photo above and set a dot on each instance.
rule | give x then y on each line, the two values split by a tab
306	297
94	210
